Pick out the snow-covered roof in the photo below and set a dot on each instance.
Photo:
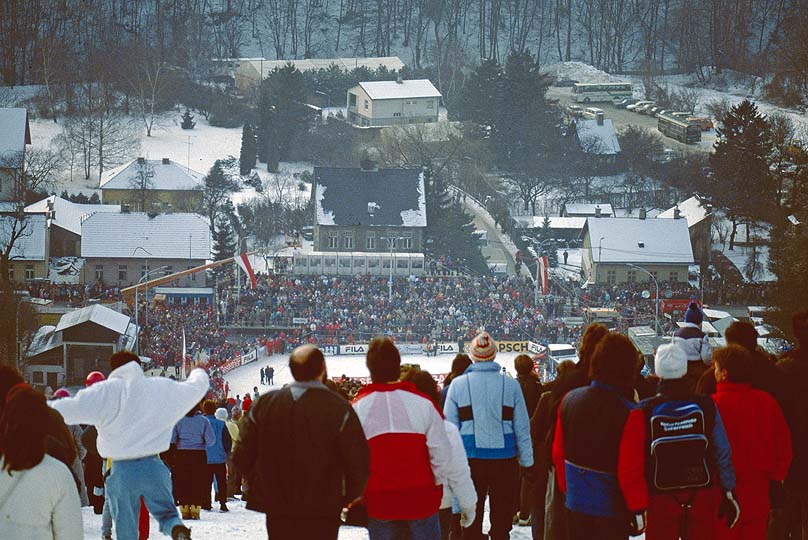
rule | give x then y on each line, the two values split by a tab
14	135
595	138
98	314
635	212
45	339
384	197
690	209
168	175
639	241
164	236
414	88
392	63
537	222
69	215
588	209
31	245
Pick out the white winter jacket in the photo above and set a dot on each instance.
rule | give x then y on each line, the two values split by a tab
134	414
692	340
458	475
40	504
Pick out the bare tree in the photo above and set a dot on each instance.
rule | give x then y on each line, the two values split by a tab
147	76
40	166
143	182
117	139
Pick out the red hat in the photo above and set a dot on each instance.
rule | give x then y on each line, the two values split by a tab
94	377
61	393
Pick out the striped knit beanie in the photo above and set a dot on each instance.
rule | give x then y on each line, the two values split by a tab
483	348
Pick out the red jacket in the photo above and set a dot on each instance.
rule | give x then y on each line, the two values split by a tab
409	451
760	442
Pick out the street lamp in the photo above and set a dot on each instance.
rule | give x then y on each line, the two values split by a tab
600	249
137	304
656	300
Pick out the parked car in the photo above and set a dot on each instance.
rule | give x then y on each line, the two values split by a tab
634	106
625	102
575	110
565	82
592	112
644	108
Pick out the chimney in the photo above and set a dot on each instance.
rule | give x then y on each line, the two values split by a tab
677	214
597	211
141	161
372	207
166	161
125	209
643	214
599	117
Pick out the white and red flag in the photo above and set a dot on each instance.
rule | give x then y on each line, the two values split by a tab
244	263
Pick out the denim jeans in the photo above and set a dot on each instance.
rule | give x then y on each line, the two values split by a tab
419	529
145	477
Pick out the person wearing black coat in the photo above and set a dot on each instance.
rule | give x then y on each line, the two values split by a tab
303	453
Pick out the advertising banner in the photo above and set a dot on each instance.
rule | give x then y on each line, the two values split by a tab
356	348
410	348
299	320
504	346
330	350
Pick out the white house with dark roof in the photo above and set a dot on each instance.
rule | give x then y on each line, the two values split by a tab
612	245
388	103
15	133
153	185
119	248
65	222
364	209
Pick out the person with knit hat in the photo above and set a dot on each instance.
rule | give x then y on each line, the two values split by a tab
490	411
688	467
695	345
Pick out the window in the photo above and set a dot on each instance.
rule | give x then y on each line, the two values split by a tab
402	264
359	262
370	241
414	102
11	273
674	277
99	272
29	272
314	262
396	114
347	241
300	262
611	277
373	262
386	263
417	264
345	262
333	241
430	103
631	276
366	104
330	262
352	100
121	272
406	242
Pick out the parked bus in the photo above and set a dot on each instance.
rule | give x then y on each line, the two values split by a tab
593	92
679	128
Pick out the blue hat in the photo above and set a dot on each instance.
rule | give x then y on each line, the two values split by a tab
694	314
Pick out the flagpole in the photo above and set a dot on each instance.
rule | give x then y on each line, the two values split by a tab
184	353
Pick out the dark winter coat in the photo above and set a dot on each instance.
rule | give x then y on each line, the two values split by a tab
303	452
531	390
794	366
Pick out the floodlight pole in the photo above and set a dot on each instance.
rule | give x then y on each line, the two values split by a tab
656	299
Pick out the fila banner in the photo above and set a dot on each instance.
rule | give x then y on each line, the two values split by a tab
356	348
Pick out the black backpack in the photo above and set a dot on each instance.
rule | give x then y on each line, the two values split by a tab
679	444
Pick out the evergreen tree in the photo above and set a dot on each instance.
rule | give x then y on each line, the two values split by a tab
744	186
281	113
481	94
187	120
224	241
248	150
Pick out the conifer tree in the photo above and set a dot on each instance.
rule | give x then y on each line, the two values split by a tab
247	157
187	120
224	242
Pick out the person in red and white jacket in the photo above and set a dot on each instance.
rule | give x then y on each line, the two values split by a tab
410	454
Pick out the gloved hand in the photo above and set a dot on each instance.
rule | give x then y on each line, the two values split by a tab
729	509
638	522
467	516
528	473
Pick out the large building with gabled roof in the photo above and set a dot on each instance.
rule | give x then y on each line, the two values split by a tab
389	103
153	185
15	134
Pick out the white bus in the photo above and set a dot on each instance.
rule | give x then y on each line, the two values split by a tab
594	92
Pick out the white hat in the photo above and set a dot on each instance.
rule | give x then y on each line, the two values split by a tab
221	413
670	362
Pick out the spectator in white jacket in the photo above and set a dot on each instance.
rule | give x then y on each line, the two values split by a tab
135	416
38	497
458	489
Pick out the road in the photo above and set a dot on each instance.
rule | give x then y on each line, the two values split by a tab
623	118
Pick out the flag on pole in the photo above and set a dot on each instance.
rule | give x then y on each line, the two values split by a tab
244	263
184	354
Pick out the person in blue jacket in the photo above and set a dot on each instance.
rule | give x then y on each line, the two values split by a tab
490	411
217	456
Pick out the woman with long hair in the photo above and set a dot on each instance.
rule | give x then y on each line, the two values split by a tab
192	435
38	496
